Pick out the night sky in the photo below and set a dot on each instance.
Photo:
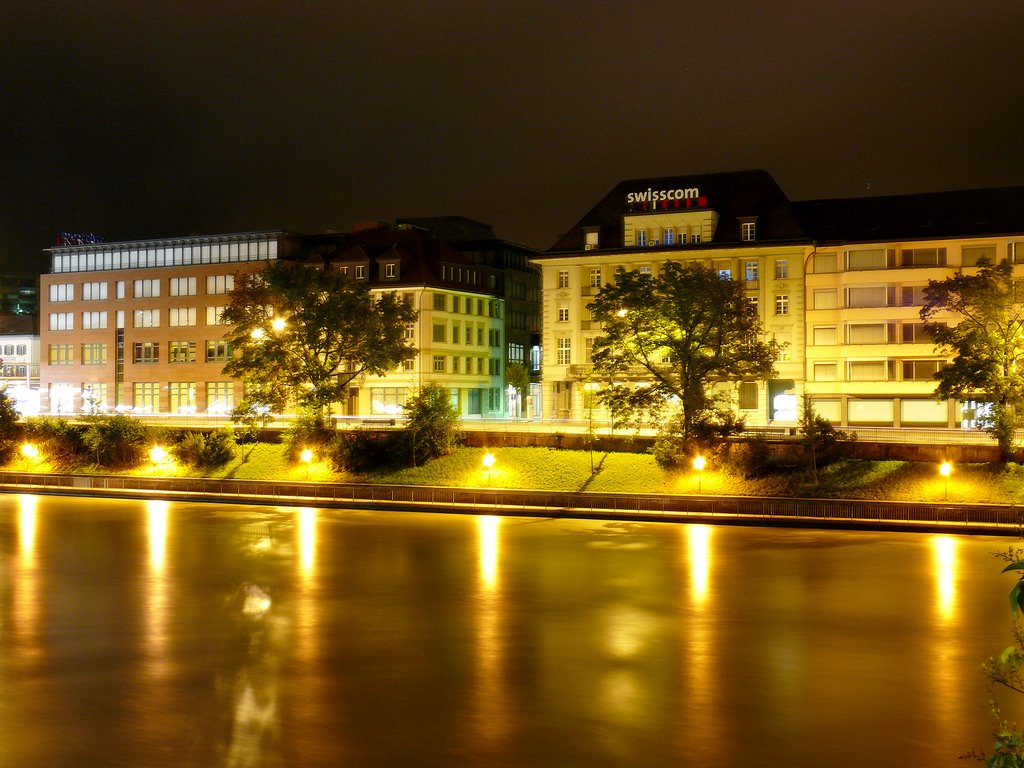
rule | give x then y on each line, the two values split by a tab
156	119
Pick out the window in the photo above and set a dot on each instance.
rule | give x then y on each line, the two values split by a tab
825	335
387	401
866	296
409	364
22	349
590	240
750	271
218	284
782	304
752	303
563	278
94	396
61	354
62	292
682	237
62	321
564	351
181	352
866	370
440	332
595	277
563	314
391	270
696	238
870	258
182	396
146	396
825	372
182	286
182	316
146	352
218	351
215	315
92	321
748	395
94	291
912	295
646	273
914	333
146	289
866	333
220	396
146	318
920	370
440	302
439	364
748	230
725	274
923	257
971	255
669	236
782	269
360	271
641	238
410	331
824	263
824	298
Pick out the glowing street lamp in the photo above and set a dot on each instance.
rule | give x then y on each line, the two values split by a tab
307	456
29	451
278	324
945	469
698	464
488	463
157	454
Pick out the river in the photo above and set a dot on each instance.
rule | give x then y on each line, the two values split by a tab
153	634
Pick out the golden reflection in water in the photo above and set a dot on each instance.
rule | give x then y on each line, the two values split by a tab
307	542
27	526
945	575
699	541
25	602
491	713
157	596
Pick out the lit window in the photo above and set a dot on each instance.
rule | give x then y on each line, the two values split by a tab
782	304
748	230
439	363
563	278
641	238
564	351
563	314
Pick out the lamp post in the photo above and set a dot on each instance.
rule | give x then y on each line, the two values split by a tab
488	463
945	469
307	456
589	388
698	464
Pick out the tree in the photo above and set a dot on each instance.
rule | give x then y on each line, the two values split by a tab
8	426
986	343
517	375
819	438
306	333
686	332
433	423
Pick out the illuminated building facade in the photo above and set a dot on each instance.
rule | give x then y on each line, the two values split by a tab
136	326
839	282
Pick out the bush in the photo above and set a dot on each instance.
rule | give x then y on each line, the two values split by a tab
308	430
60	442
8	428
117	441
205	450
367	451
433	423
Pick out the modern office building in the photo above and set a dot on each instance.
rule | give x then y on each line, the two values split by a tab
839	282
136	326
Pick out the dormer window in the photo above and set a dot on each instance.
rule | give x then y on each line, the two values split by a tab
391	270
669	236
360	272
641	238
590	239
748	230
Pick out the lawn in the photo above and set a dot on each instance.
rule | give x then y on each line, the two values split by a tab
564	470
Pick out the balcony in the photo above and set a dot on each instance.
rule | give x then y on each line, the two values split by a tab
590	325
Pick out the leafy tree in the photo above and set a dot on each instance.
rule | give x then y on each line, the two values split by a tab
306	333
8	427
433	423
819	438
686	332
986	343
517	375
117	441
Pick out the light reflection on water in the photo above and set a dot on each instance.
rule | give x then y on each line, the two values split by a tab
160	634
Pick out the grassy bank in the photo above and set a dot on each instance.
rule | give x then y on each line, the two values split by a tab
561	470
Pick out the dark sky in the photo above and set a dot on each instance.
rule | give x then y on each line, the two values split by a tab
150	119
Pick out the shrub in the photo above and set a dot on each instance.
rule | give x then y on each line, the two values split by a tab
308	430
8	427
60	441
205	450
433	423
117	441
367	451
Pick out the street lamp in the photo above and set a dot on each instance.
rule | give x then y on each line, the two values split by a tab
945	469
698	464
488	463
29	451
307	456
157	454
